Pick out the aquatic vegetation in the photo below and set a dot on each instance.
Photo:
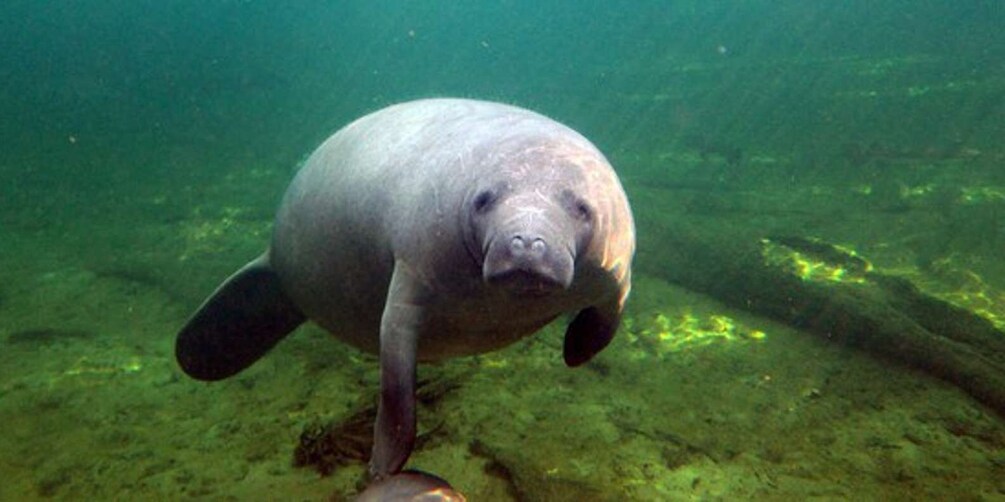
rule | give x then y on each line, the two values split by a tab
219	231
815	260
664	336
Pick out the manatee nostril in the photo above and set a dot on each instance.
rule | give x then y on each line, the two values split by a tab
521	246
517	245
538	247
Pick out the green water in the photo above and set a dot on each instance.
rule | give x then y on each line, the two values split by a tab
818	187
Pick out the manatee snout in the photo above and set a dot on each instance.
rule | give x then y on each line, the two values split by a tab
528	263
530	241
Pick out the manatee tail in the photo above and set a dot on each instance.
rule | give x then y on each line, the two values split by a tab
241	321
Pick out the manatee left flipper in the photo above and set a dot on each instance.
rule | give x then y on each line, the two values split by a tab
590	331
242	320
400	325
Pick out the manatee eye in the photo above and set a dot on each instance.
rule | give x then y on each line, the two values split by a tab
577	207
484	201
582	211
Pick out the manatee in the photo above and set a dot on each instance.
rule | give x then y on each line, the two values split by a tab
427	230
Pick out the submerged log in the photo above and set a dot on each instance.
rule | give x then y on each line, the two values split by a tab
882	314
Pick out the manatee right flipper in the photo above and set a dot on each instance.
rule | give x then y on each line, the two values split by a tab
241	321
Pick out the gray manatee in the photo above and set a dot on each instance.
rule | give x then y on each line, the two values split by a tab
426	230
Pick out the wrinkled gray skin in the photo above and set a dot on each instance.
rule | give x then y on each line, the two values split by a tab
426	230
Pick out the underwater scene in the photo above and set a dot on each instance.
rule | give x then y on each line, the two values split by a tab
816	189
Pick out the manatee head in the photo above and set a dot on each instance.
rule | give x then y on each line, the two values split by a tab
529	219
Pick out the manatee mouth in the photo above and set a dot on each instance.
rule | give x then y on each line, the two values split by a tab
526	283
